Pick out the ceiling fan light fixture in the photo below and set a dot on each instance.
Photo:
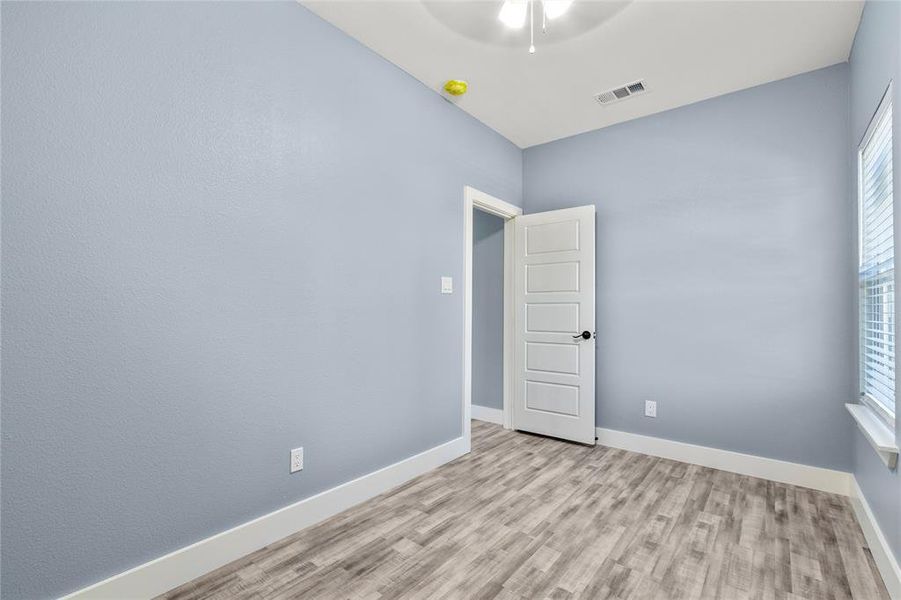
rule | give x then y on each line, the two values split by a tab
513	13
555	8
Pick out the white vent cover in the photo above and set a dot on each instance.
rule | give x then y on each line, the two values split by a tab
621	93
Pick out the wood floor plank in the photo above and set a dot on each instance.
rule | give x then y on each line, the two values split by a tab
525	516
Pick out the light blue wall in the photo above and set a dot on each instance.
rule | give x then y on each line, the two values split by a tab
223	232
488	310
875	61
724	267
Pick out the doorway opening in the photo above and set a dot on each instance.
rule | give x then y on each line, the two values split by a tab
548	320
492	218
487	317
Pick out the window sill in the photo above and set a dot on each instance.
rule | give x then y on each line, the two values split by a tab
877	433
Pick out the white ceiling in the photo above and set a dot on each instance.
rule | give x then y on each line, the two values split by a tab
686	51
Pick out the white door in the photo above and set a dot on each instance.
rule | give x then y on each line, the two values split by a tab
554	324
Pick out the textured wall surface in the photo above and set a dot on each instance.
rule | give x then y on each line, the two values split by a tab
875	61
218	244
724	267
487	310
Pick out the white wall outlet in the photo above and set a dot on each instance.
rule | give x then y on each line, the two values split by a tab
296	460
650	408
447	285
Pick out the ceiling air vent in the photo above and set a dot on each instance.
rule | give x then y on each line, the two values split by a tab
621	93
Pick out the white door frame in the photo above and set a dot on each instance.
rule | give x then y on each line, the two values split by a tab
474	199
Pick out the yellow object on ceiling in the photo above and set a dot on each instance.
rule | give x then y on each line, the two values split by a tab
455	87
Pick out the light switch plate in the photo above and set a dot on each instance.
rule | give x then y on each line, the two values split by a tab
447	285
296	460
650	408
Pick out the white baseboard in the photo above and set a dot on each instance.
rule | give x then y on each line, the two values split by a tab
491	415
817	478
190	562
882	552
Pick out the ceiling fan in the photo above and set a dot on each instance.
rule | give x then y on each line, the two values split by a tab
514	12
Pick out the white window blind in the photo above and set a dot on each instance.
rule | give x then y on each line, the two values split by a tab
877	263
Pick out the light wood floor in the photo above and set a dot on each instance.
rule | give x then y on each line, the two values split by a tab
529	517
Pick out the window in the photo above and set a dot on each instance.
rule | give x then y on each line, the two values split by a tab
877	264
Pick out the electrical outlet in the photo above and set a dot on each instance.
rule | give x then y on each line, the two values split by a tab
650	408
296	460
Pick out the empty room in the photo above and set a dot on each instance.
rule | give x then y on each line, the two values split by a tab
449	299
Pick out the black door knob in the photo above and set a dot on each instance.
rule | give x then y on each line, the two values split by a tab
585	335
